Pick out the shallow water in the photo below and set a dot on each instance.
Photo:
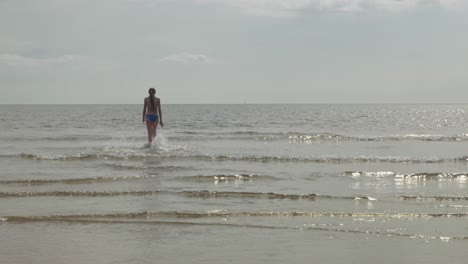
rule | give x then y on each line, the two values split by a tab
232	183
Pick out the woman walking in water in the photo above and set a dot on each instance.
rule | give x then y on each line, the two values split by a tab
152	114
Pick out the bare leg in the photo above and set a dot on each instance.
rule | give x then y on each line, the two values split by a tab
150	132
154	126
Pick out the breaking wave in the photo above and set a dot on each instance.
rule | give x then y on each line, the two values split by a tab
298	137
248	158
461	176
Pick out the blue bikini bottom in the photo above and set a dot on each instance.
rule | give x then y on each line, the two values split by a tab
152	118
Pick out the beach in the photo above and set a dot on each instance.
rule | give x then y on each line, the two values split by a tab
252	183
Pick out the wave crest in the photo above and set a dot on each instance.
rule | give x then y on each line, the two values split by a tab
461	176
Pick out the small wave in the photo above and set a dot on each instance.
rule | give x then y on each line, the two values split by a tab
201	178
454	138
210	133
110	153
199	194
327	159
456	206
75	194
396	138
257	195
61	138
269	195
221	213
87	157
293	137
248	158
434	198
227	178
142	167
187	219
461	176
369	173
74	180
298	137
69	157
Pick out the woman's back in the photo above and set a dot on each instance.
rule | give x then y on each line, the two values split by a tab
151	108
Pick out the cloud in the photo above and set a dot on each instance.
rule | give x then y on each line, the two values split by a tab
285	8
188	58
21	62
452	3
288	8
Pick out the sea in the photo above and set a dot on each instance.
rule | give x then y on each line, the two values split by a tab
239	183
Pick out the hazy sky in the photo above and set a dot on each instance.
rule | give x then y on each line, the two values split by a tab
234	51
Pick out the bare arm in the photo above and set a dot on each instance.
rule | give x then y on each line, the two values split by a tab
144	110
160	113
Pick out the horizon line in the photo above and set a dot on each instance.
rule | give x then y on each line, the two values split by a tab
327	103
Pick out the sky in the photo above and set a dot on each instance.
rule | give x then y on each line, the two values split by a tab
233	51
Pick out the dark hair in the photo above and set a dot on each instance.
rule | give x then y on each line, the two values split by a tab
152	92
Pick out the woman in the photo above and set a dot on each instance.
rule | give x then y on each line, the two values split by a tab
152	114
